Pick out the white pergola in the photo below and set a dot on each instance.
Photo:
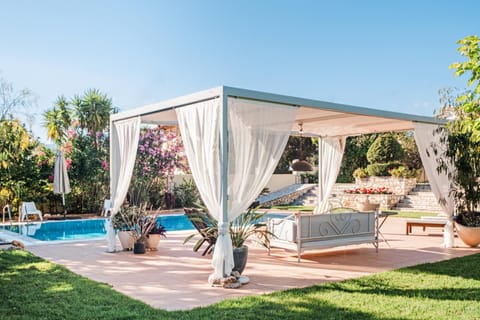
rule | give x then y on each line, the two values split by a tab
234	138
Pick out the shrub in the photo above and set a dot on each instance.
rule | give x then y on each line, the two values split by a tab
309	177
385	149
381	169
186	194
402	172
360	173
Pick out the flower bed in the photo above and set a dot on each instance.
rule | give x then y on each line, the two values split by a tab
368	190
399	186
356	200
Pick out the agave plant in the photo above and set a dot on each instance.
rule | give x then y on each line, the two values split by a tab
248	225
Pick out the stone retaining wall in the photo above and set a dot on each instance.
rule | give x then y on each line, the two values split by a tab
386	201
398	186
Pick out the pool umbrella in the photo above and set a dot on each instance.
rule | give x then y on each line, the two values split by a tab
61	183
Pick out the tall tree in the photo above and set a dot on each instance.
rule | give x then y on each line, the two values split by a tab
470	100
57	120
93	111
11	99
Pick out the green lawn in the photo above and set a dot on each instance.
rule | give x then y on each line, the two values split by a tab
32	288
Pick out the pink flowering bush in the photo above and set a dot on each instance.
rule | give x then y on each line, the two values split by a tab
160	154
368	190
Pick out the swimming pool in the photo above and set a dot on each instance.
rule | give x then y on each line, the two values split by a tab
90	228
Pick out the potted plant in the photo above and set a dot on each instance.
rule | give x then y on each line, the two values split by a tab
125	222
249	225
156	233
144	226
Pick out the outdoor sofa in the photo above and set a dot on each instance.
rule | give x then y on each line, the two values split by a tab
302	232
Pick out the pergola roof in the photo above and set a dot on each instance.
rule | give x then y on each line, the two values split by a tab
318	118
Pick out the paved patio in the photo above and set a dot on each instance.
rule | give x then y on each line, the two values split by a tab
174	277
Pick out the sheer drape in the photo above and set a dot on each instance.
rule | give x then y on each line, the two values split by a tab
425	136
200	127
124	137
257	135
330	154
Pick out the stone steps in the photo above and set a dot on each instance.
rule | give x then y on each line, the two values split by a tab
420	199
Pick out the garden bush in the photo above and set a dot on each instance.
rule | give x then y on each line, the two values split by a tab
381	169
385	149
403	172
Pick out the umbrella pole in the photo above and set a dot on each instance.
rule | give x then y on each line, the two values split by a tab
64	208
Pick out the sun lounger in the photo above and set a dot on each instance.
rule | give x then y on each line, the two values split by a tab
425	222
202	221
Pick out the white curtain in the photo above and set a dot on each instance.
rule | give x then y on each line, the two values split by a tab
330	154
124	137
425	135
200	127
257	135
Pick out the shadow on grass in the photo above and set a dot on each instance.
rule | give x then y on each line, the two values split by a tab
464	267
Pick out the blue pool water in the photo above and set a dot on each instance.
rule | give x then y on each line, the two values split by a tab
91	228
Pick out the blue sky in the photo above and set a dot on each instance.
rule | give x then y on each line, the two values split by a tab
391	55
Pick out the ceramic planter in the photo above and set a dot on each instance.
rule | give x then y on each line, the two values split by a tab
152	241
126	239
139	247
469	235
240	256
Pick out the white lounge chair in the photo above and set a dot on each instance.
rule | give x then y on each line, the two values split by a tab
107	208
28	208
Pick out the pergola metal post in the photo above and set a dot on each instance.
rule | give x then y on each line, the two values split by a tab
224	162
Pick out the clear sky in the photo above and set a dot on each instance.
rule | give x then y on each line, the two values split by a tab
391	55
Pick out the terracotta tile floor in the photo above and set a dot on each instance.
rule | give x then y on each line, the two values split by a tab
174	277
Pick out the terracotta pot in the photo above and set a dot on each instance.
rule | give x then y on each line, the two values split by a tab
152	241
367	206
469	235
126	240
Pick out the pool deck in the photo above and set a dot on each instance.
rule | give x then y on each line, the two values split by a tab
175	277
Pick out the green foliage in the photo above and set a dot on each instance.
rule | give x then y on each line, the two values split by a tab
385	149
186	194
460	139
160	154
248	225
469	47
13	100
411	158
297	148
25	165
355	156
360	173
442	290
402	172
57	121
80	127
381	169
309	177
135	219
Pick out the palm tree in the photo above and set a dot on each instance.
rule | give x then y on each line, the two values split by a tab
57	120
93	110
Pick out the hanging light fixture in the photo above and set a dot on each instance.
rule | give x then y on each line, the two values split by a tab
301	165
